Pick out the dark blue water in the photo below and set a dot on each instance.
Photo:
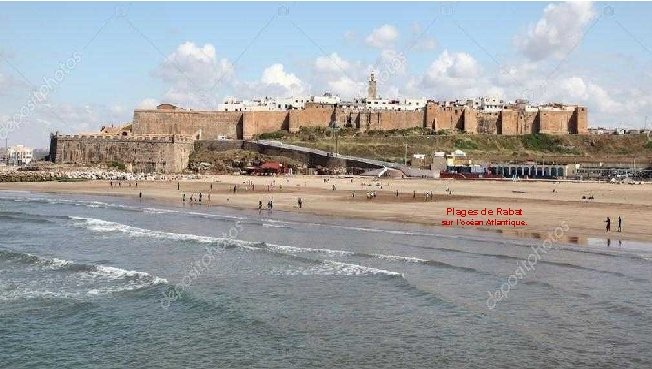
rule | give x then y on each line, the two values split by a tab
103	282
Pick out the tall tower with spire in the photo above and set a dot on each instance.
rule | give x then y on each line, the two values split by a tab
371	90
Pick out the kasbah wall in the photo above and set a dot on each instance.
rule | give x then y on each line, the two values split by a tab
161	140
168	119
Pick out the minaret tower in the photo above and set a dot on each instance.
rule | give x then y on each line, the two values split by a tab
371	90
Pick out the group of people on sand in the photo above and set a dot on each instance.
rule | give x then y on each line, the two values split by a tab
270	205
119	184
620	224
195	198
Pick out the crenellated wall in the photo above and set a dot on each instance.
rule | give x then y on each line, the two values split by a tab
211	125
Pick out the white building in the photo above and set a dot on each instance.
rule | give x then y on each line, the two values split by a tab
275	103
20	155
398	105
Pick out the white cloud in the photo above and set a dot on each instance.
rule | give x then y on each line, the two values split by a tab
559	30
275	76
382	37
345	86
332	64
451	67
580	91
195	75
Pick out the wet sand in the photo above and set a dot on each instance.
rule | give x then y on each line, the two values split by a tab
542	209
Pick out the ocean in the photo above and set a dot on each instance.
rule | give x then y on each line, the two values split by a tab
105	282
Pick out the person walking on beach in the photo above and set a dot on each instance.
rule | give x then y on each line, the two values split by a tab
608	221
620	224
178	186
183	197
200	196
260	206
235	188
300	203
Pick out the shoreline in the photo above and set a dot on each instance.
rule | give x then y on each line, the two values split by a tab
542	209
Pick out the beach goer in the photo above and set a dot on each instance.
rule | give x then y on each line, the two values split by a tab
140	195
200	196
111	183
183	197
620	224
178	186
333	187
235	188
608	221
396	193
260	206
300	203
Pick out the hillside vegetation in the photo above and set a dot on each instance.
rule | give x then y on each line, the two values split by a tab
390	145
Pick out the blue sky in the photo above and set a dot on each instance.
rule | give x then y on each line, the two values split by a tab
127	55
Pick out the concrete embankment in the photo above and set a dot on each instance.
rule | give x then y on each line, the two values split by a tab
311	157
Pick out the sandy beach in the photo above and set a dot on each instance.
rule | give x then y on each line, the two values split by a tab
527	209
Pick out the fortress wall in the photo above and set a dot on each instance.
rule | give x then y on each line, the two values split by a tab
582	121
154	154
527	122
211	123
556	121
470	121
508	122
311	117
257	122
450	118
388	120
488	122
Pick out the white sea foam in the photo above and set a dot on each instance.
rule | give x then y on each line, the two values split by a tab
77	281
330	267
294	250
99	225
408	259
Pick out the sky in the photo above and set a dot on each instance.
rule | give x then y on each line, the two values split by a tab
74	67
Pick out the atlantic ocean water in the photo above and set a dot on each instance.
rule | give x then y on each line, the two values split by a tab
99	282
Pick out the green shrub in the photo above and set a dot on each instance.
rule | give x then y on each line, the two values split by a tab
117	165
542	142
465	144
272	135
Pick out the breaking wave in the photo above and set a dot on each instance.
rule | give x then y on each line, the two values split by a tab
58	278
330	267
